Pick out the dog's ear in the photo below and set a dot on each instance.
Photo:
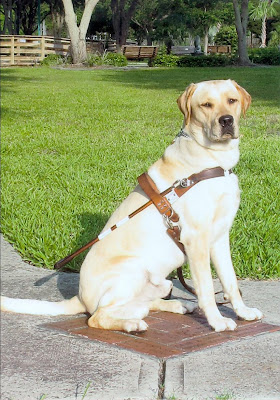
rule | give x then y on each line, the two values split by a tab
245	97
184	102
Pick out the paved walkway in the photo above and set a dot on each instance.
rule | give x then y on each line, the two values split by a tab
41	364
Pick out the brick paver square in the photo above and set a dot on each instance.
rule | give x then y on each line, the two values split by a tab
168	335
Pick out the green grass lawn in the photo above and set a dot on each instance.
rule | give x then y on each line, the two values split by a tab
74	142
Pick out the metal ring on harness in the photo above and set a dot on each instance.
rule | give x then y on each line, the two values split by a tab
167	219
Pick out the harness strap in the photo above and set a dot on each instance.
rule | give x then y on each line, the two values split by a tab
170	195
163	206
162	201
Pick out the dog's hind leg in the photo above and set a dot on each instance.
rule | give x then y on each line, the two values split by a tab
220	255
125	304
174	306
127	317
122	306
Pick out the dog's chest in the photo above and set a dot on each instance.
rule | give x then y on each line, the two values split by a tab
210	206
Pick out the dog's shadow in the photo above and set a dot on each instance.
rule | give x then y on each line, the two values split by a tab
68	277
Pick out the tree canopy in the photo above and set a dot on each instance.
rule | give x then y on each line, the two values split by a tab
169	22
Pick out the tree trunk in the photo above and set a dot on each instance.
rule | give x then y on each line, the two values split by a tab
8	23
263	35
149	39
121	17
57	17
78	47
78	34
5	30
18	13
29	17
206	41
241	22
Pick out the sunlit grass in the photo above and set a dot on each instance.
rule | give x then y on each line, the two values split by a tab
74	142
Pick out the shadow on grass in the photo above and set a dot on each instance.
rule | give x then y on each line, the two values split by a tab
91	226
68	284
261	82
10	75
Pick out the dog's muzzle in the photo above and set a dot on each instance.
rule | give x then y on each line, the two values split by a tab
227	128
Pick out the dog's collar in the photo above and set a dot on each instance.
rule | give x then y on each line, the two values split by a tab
184	134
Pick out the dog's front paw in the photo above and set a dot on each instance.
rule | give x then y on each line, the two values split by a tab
188	306
135	325
222	324
249	314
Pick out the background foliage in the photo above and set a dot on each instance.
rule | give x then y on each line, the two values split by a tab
167	21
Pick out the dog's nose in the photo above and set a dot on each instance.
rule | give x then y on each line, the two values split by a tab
226	120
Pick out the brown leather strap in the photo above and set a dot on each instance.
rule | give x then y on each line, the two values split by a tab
184	283
174	233
161	203
163	206
187	183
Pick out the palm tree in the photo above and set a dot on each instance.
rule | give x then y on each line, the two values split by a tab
264	10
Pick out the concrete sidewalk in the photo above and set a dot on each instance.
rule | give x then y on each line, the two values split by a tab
38	363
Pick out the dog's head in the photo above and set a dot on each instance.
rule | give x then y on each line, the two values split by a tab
213	109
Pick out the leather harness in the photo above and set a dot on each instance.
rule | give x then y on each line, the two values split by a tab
163	202
163	205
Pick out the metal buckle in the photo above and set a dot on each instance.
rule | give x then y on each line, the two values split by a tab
186	182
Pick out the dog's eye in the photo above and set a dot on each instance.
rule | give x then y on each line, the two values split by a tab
231	101
207	105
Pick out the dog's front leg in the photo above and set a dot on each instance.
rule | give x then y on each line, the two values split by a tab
221	258
198	251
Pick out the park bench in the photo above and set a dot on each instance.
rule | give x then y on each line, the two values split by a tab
183	50
186	50
222	49
132	52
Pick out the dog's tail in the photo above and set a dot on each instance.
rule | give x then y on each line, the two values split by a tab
37	307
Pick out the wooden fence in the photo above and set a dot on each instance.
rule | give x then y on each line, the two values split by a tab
30	50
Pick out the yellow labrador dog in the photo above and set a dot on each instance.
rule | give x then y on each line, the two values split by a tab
124	275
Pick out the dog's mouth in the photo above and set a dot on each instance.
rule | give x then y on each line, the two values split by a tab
227	133
222	135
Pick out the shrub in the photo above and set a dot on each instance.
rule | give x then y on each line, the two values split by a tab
55	59
162	50
94	59
267	55
227	35
164	60
275	37
114	59
213	60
